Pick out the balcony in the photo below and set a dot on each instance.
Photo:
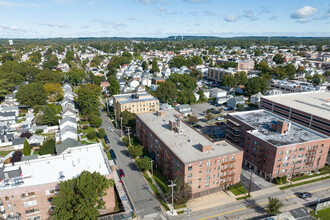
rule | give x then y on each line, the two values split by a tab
228	161
228	168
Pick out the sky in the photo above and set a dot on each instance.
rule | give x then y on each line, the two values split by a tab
163	18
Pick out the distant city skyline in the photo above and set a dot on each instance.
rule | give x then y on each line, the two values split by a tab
163	18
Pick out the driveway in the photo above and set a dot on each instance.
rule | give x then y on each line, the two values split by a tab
198	109
257	181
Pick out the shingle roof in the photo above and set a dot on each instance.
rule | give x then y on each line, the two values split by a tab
60	148
18	141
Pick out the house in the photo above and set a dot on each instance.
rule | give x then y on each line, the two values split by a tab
65	145
68	106
157	80
70	113
196	96
216	93
18	143
140	88
184	109
105	86
68	121
68	132
255	99
146	82
8	116
133	83
232	102
165	106
6	138
44	129
66	100
10	109
36	139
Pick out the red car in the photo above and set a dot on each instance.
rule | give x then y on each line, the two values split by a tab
121	173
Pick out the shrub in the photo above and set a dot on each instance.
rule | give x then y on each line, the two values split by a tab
101	133
92	135
39	131
143	163
17	156
48	147
85	126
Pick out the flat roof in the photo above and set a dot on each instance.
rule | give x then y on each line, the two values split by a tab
261	121
186	145
48	169
316	103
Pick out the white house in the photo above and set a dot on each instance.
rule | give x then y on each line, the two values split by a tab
133	84
18	143
68	132
184	109
216	93
36	139
8	116
232	102
70	113
146	82
68	121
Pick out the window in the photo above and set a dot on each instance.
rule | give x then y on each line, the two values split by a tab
199	186
190	168
207	178
30	203
208	171
199	179
29	195
200	172
276	172
200	164
255	142
207	185
190	175
280	153
208	164
278	166
31	211
301	149
279	159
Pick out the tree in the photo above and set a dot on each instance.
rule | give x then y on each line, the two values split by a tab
178	61
128	119
290	71
144	65
318	79
95	121
186	96
143	163
278	58
114	86
193	119
274	205
32	94
256	85
49	76
166	92
81	197
240	107
48	117
88	99
196	60
6	57
48	147
181	191
102	133
319	48
241	78
209	116
201	95
17	157
229	81
54	91
183	81
26	135
27	148
257	53
196	74
136	150
5	88
92	135
154	68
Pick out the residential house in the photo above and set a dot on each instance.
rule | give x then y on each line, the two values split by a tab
68	132
18	143
232	102
8	116
66	145
105	86
184	109
68	121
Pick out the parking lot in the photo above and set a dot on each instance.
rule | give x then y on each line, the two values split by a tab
199	108
258	182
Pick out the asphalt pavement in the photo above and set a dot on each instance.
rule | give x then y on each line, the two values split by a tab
144	202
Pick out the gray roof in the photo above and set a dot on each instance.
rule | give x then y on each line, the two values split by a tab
60	148
18	141
67	118
30	157
68	128
182	107
7	114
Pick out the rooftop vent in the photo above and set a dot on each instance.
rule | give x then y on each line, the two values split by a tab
205	148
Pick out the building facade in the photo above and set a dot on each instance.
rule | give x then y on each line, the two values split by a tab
310	109
275	146
135	103
180	151
218	73
28	187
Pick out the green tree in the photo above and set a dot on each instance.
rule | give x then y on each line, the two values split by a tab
95	121
154	68
209	117
201	95
128	119
27	148
92	135
196	74
48	117
240	107
183	81
143	163
32	94
101	133
81	197
114	86
318	79
229	80
278	58
136	150
88	99
48	147
319	48
193	119
196	60
182	191
241	78
290	71
6	57
178	61
274	206
186	96
255	85
5	88
257	53
144	65
166	92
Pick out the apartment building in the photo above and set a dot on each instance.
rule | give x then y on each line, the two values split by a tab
310	109
28	187
275	146
180	151
245	65
135	103
218	73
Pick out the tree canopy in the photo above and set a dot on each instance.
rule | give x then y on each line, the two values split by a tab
88	99
166	92
255	85
48	147
32	94
114	88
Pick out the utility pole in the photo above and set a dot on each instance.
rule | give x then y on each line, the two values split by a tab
172	186
187	211
294	167
152	170
114	110
121	126
250	185
129	136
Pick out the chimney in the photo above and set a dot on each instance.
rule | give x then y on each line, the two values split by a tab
283	126
172	125
160	113
179	122
204	148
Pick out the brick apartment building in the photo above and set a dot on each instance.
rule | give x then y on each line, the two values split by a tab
27	187
275	146
218	73
135	103
181	151
310	109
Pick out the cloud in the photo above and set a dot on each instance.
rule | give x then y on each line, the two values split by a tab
53	25
265	10
327	13
12	28
149	1
10	4
273	18
161	9
249	15
230	18
105	23
303	13
91	2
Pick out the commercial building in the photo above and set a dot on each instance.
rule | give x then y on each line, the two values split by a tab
275	146
27	187
310	109
180	151
218	73
135	103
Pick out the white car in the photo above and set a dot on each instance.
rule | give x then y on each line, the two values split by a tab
220	118
111	128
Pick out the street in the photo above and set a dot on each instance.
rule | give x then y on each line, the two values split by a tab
253	208
145	204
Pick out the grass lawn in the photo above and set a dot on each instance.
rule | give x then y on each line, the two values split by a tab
86	142
4	153
243	197
86	131
303	183
237	189
92	140
20	120
36	152
161	180
323	214
83	122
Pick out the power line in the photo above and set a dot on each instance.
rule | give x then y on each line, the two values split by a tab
172	186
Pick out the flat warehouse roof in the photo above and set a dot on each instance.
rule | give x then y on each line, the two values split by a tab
315	103
186	145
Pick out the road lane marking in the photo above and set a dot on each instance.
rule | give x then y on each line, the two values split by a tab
237	210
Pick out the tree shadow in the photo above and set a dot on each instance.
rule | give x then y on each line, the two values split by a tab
126	153
133	166
253	205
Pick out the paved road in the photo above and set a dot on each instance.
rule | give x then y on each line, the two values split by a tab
253	208
145	204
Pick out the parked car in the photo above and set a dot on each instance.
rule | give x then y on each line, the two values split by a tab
111	128
198	126
106	139
220	118
121	173
305	195
221	123
112	153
